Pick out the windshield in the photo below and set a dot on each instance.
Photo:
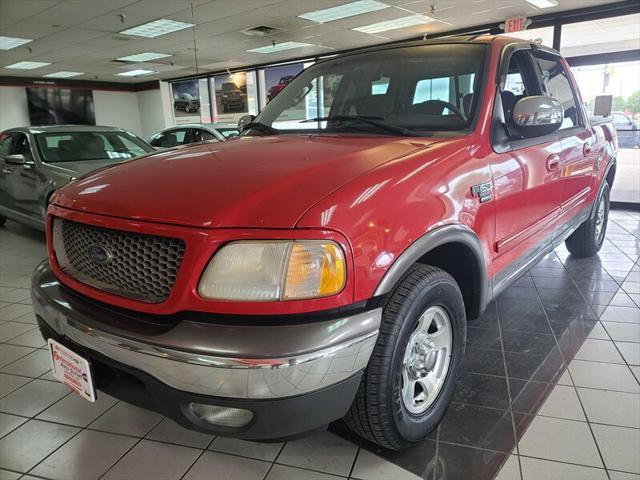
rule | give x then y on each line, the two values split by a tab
423	89
80	146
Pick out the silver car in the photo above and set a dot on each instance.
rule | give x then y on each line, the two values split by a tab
193	133
35	161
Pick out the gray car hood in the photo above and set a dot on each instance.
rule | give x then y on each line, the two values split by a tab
74	169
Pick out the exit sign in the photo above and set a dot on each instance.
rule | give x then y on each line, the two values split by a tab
515	24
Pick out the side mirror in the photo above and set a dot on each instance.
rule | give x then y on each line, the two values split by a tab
537	116
245	120
15	159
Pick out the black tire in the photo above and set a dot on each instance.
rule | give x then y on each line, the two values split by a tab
2	221
585	241
378	412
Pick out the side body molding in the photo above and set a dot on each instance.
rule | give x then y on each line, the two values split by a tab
448	234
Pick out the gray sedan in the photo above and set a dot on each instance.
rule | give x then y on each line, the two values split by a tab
35	161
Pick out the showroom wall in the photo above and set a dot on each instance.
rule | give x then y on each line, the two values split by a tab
139	112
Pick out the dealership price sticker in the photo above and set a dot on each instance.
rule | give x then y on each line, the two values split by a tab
72	370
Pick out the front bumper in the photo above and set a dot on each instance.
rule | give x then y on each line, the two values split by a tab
281	372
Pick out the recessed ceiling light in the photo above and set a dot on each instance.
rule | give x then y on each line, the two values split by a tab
143	57
278	47
27	65
63	74
136	73
7	43
157	28
543	3
402	22
344	11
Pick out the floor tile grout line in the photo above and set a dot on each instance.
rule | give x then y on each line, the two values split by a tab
353	463
509	397
80	429
575	390
205	449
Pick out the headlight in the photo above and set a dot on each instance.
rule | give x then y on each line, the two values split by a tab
274	270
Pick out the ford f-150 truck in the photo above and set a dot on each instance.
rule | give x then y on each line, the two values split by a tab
325	264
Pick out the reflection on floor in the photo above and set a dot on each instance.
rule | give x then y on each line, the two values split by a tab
550	390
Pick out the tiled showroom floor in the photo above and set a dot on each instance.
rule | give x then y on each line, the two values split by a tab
550	390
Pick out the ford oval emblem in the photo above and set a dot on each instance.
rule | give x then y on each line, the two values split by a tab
99	254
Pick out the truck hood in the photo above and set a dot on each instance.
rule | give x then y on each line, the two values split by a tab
265	182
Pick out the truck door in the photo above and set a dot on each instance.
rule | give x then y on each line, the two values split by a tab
526	172
578	148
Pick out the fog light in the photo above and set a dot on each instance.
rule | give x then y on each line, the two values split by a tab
222	416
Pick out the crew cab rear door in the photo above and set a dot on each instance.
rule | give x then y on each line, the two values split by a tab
578	150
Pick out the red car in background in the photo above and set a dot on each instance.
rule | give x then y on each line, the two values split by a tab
276	89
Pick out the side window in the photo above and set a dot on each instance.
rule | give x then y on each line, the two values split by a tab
21	145
155	140
520	82
173	138
202	135
432	89
6	143
380	86
557	85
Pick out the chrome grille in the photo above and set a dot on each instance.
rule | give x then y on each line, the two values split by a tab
132	265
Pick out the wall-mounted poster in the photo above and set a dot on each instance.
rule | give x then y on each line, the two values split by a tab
232	101
276	78
186	101
60	106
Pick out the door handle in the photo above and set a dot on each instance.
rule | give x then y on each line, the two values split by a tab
587	149
553	162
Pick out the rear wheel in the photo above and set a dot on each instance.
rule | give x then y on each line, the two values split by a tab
411	375
587	240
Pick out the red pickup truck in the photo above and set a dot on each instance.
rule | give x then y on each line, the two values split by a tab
325	264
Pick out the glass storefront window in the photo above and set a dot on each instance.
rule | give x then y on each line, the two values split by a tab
542	36
606	35
622	81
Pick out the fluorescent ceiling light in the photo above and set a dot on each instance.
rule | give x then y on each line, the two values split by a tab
7	43
136	73
143	57
63	74
278	47
543	3
157	28
27	65
344	11
403	22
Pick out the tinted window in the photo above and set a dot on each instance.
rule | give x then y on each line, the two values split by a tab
6	143
202	135
557	85
173	138
21	145
520	81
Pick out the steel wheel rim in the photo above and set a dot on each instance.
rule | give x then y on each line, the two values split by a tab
600	219
426	360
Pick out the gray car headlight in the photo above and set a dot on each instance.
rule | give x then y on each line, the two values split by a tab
274	270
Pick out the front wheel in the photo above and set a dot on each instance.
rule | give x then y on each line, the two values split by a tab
411	375
587	240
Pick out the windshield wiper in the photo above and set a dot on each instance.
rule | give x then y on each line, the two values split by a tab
261	127
374	121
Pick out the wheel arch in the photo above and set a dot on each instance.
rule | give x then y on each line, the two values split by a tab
455	249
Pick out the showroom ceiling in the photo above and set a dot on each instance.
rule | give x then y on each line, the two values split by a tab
83	37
